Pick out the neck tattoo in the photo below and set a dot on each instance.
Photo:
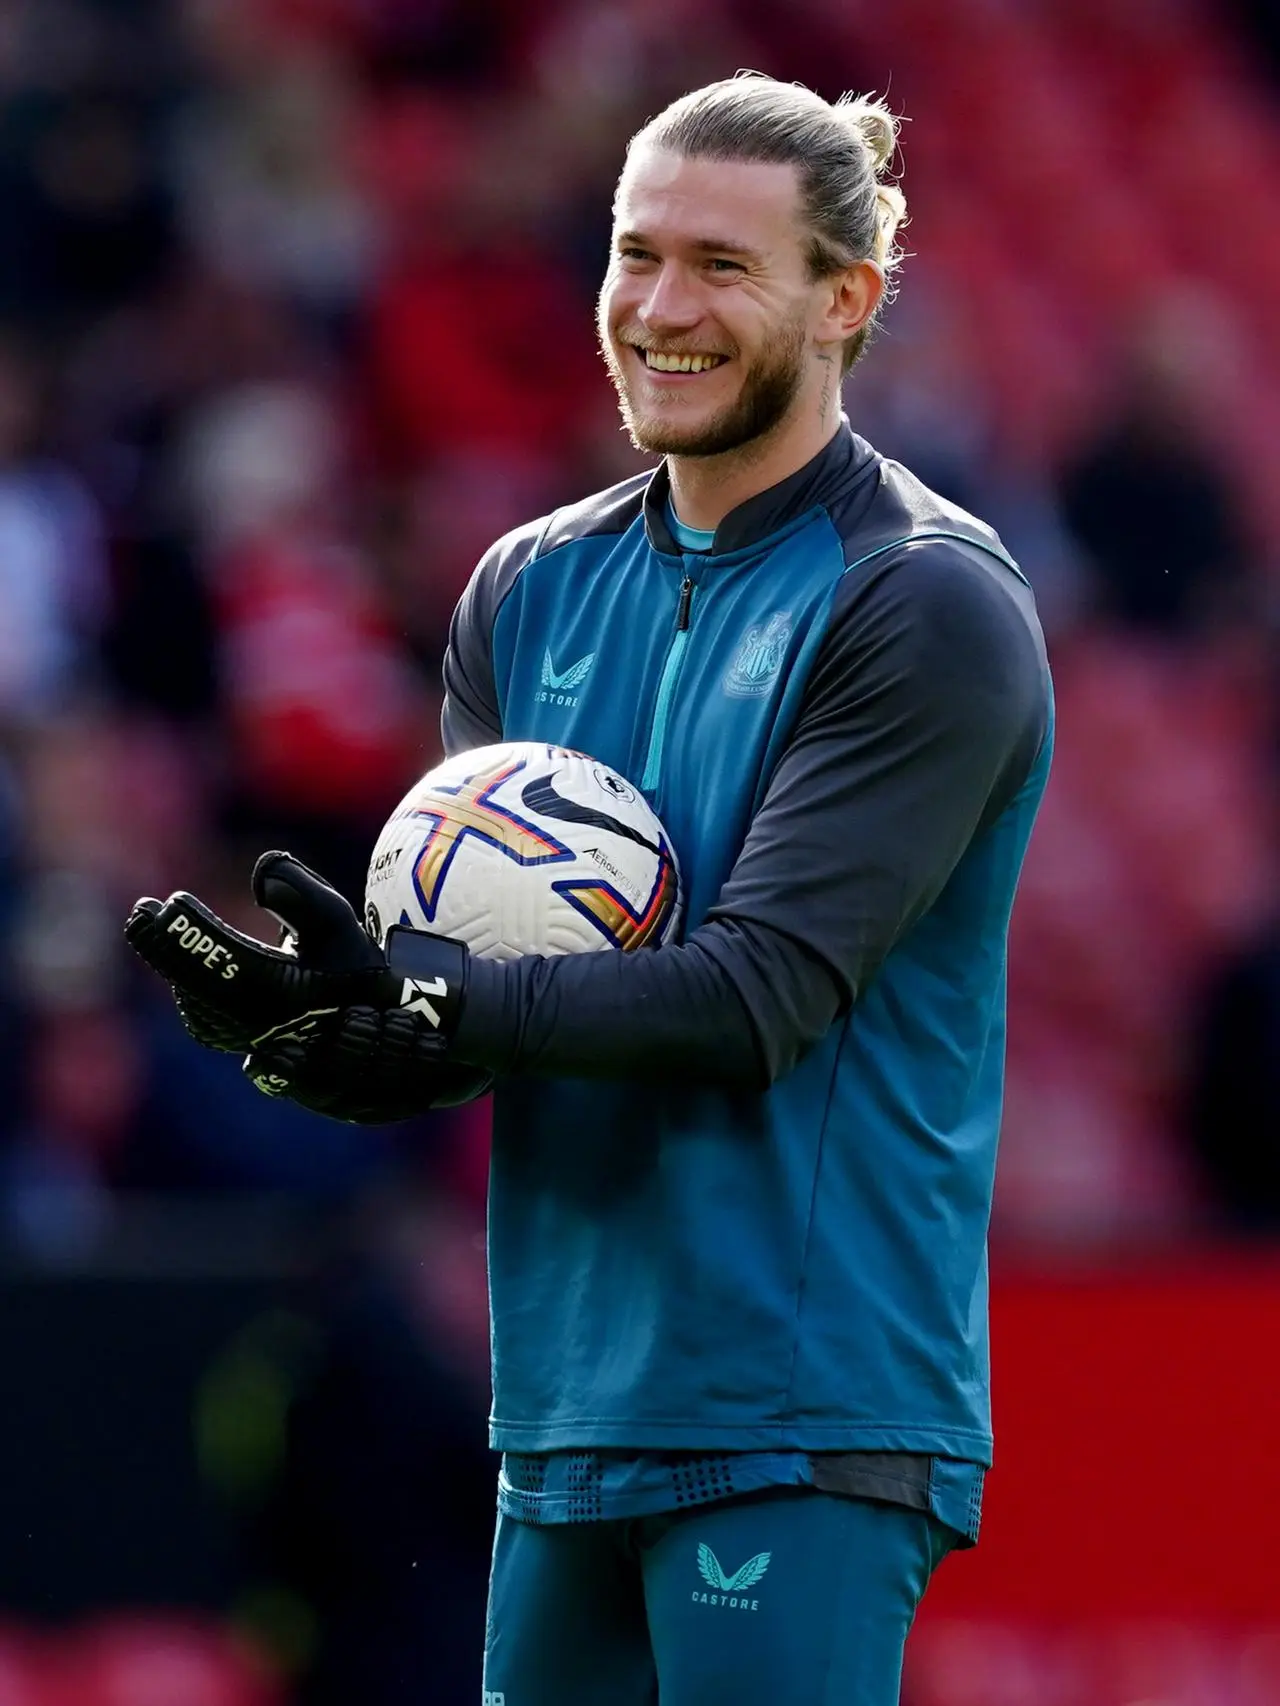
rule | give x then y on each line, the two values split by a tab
825	402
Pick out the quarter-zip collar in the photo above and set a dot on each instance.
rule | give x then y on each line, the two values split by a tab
843	461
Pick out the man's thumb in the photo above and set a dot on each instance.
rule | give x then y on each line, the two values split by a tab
330	936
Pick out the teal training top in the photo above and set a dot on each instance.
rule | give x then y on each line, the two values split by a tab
741	1184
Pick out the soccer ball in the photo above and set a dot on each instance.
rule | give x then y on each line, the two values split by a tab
524	848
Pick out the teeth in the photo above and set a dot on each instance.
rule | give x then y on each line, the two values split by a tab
680	363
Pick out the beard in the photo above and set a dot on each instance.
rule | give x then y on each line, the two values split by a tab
769	388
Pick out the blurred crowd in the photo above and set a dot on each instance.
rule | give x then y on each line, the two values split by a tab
296	318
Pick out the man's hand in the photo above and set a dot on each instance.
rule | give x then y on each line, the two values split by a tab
367	1067
233	991
342	1031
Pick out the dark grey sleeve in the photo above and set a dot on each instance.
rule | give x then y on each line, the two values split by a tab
470	715
924	713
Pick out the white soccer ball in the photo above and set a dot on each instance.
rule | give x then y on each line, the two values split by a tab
524	848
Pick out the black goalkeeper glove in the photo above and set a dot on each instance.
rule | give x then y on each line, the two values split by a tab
234	991
239	995
371	1065
368	1067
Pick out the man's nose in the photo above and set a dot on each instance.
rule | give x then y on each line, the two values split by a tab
670	303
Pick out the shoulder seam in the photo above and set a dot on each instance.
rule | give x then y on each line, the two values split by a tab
569	523
541	540
939	533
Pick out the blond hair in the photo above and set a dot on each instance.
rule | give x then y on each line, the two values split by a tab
842	151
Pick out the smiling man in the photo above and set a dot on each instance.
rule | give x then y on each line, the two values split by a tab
714	328
741	1183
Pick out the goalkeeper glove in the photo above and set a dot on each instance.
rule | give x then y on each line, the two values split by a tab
237	994
366	1066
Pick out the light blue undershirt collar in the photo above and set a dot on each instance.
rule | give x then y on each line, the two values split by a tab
688	538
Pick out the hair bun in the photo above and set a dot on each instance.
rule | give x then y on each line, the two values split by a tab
877	126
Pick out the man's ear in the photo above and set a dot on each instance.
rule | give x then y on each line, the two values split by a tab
855	295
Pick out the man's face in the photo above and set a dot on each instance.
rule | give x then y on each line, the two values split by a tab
708	263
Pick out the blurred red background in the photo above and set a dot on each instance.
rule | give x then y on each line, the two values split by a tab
295	319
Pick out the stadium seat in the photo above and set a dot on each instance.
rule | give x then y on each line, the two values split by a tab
164	1661
28	1672
971	1662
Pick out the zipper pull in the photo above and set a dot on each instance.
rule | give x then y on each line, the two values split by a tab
686	599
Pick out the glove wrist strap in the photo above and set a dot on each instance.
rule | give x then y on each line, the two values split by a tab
432	974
